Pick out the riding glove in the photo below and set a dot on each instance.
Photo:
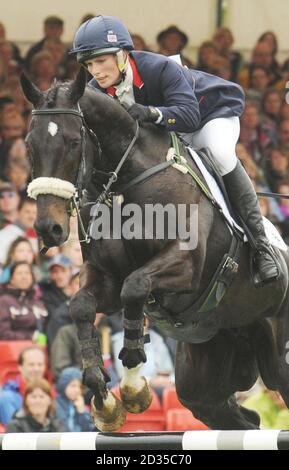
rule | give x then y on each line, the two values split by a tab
144	113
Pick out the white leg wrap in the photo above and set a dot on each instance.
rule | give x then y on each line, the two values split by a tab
132	378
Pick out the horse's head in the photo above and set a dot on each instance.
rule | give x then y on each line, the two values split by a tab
55	146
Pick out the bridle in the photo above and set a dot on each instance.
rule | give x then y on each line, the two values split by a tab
65	189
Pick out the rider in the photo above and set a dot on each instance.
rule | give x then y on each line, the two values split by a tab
154	88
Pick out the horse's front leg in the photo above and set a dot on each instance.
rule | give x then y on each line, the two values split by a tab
170	270
134	390
107	410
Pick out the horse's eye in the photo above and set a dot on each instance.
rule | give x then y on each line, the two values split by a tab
73	144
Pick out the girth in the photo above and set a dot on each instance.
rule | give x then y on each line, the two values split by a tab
179	325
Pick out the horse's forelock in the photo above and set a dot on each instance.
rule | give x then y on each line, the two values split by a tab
57	89
52	95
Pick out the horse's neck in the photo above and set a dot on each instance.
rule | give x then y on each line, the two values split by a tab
110	122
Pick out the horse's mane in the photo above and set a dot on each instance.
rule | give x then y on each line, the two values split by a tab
93	93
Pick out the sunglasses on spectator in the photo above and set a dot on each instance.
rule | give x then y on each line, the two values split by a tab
8	194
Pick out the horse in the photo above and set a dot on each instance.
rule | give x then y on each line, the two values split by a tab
79	135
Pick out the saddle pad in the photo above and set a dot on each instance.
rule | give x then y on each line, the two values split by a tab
272	233
214	189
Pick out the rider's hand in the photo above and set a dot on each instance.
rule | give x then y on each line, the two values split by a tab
144	113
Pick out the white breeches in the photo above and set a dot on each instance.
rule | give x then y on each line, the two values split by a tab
220	136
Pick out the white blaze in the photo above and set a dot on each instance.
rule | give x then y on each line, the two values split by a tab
52	128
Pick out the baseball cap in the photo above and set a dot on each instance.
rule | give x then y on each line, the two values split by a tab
59	260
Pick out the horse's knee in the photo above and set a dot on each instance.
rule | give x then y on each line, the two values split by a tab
83	307
136	288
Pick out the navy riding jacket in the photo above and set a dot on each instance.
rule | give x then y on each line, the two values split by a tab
188	99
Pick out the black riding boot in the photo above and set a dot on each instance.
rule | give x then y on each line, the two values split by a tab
244	201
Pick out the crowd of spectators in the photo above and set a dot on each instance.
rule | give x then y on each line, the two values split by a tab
35	290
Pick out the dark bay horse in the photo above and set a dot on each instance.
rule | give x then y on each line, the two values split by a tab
220	350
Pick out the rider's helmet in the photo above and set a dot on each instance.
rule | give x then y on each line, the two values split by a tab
101	35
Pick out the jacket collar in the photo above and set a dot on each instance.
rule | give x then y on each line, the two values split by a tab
137	80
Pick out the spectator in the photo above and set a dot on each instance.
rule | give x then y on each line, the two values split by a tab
70	406
31	366
56	291
42	70
22	105
44	260
18	173
53	29
284	112
12	128
271	40
58	52
61	314
258	82
272	102
22	313
15	49
207	55
223	38
172	41
6	53
256	135
283	133
13	149
65	350
283	188
277	167
255	173
4	90
222	68
139	43
37	414
72	250
262	55
19	250
264	207
23	226
9	202
12	125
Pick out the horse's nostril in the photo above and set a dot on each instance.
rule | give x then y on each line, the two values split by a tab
57	229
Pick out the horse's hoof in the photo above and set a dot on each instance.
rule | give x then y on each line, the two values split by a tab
136	400
111	416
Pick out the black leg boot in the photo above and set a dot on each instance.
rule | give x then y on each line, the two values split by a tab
244	201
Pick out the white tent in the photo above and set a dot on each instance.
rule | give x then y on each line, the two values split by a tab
247	18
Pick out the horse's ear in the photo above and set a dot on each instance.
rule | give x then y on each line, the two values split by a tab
32	93
78	86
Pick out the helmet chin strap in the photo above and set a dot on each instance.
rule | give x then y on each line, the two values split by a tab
122	62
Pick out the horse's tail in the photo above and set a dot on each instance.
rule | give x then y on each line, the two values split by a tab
266	352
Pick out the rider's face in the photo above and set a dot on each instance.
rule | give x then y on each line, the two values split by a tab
104	69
